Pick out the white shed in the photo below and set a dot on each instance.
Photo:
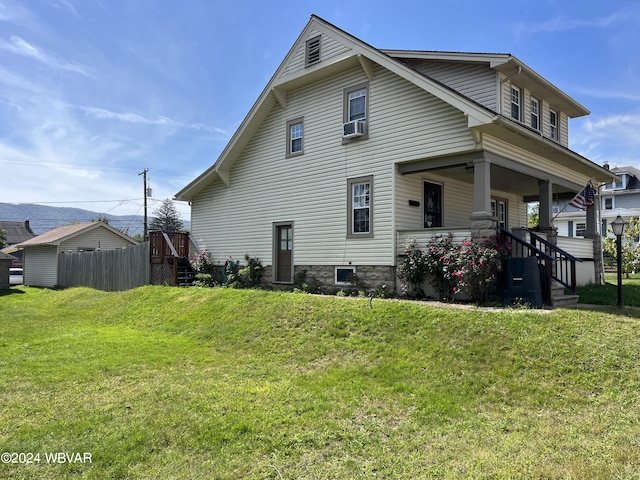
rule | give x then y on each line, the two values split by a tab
41	252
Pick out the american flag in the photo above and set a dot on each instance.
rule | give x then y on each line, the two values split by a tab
584	198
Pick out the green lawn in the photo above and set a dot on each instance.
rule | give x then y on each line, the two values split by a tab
169	383
607	294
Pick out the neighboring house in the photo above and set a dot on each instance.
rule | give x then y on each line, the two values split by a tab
17	232
619	197
352	150
5	264
41	252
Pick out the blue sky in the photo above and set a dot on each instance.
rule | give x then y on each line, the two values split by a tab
94	91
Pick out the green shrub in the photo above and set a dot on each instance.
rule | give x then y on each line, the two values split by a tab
471	267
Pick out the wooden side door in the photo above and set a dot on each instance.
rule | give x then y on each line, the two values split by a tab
283	250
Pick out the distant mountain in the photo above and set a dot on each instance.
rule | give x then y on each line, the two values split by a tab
43	218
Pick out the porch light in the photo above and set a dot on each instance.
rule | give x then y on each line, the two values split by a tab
618	229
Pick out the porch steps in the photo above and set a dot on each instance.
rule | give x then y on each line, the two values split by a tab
560	299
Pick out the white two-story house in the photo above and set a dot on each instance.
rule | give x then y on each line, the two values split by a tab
618	197
350	150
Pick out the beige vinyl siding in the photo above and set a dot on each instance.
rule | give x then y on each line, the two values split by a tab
98	239
563	124
41	266
457	202
530	159
329	49
563	119
311	190
564	129
477	82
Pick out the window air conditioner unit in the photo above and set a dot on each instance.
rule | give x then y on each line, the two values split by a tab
354	128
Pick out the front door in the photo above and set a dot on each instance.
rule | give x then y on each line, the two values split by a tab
283	263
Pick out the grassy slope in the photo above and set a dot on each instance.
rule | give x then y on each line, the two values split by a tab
191	383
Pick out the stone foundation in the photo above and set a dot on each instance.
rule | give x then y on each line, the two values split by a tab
369	277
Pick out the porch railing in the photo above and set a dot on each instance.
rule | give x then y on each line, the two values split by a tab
564	264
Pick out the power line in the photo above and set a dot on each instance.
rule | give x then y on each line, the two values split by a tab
78	201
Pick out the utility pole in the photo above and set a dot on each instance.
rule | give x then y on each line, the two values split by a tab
144	176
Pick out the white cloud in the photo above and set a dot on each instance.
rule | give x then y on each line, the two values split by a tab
612	138
19	46
621	123
563	24
66	4
612	94
128	117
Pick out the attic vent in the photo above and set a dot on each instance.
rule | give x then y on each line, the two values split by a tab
312	54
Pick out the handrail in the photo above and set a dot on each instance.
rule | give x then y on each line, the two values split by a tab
565	264
524	243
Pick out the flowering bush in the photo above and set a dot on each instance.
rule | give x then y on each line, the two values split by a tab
203	265
479	263
442	263
471	267
412	271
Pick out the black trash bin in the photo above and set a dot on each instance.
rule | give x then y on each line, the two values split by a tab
523	282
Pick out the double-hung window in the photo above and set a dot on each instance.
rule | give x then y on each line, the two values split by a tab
553	125
295	131
360	204
535	114
357	105
516	95
356	108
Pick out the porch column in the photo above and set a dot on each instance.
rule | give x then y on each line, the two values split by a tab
483	224
592	233
592	222
545	214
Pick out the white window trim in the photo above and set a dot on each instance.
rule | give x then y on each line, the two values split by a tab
350	208
535	101
555	137
290	125
346	117
345	267
518	104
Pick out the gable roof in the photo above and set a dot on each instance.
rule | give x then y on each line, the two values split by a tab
66	232
513	68
17	231
355	52
629	170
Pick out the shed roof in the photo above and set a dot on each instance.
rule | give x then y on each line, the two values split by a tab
60	234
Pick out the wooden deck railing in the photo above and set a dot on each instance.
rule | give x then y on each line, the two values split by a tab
169	255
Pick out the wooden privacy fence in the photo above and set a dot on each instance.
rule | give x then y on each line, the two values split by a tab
109	270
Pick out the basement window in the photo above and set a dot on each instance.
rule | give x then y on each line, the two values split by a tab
343	275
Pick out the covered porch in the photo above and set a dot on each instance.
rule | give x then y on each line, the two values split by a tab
478	193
